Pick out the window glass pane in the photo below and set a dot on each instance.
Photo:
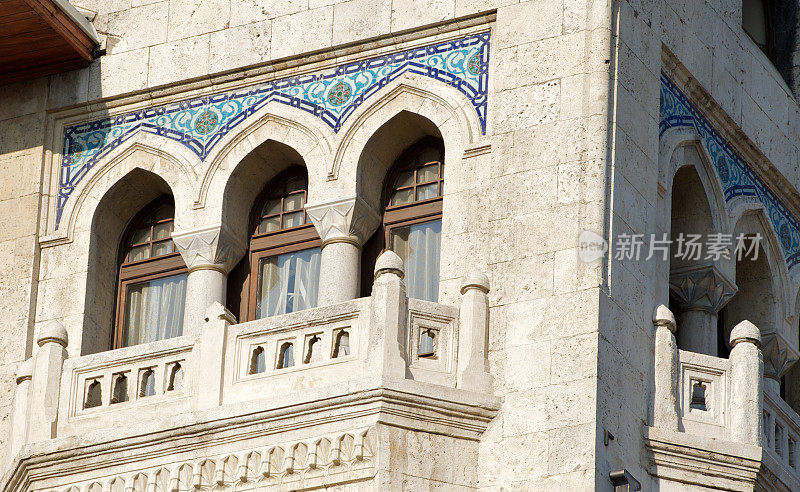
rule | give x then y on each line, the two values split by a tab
269	225
754	20
406	178
165	212
154	310
162	231
288	283
427	191
428	173
295	184
139	253
293	202
293	219
140	235
401	197
430	155
272	207
419	246
162	248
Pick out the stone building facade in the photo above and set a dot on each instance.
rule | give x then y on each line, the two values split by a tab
348	245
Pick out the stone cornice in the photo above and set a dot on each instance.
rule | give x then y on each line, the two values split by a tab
401	403
696	460
730	131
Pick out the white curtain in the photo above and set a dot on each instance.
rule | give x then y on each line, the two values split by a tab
288	283
419	245
154	310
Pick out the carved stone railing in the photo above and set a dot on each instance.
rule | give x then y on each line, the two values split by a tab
404	362
127	385
781	434
701	402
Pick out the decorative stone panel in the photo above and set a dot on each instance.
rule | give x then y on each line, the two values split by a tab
348	219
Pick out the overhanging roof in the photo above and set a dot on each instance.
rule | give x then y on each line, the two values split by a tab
43	37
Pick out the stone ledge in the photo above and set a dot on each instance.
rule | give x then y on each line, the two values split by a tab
694	460
405	404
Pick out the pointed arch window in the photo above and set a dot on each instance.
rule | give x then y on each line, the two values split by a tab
412	218
284	249
151	280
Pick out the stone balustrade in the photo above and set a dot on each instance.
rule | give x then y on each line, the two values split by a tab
781	434
711	399
362	345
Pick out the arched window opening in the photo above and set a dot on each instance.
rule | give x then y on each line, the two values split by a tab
413	216
258	364
120	392
152	279
341	346
754	301
427	344
94	395
175	378
286	356
147	384
313	354
285	250
698	288
757	23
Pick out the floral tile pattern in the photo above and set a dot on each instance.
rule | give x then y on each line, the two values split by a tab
737	178
332	96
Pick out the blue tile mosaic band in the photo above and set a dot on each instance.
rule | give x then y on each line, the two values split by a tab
737	178
332	96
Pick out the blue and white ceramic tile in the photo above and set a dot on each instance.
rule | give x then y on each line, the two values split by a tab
737	178
333	96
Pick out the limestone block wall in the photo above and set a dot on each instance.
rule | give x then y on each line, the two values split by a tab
22	123
571	144
707	40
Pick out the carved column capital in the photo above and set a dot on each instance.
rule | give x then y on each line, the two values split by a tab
701	288
209	248
349	220
779	355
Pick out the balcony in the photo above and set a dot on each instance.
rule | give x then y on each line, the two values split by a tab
715	422
226	406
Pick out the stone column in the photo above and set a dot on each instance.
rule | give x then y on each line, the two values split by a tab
389	317
209	253
211	368
46	382
473	340
747	375
779	357
665	393
19	415
343	225
701	292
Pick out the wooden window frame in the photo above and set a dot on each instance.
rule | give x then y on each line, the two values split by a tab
415	212
274	243
151	268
